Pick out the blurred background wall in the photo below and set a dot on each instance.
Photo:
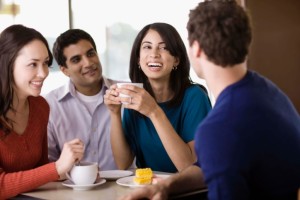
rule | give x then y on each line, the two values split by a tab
275	51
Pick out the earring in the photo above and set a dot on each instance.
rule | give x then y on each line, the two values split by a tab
139	66
174	67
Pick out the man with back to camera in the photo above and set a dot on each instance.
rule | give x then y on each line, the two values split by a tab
248	146
77	109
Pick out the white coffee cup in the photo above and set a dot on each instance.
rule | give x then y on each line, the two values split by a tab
84	173
140	85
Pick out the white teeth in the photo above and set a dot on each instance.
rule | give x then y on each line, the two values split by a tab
37	82
154	64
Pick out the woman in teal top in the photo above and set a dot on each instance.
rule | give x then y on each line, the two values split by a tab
144	140
160	119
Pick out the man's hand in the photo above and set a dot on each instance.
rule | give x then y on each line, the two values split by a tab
153	192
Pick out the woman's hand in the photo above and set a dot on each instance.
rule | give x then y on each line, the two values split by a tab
140	100
111	99
72	152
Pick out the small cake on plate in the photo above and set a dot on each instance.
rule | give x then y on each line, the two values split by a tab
143	176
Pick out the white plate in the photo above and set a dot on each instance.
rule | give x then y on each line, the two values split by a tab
115	174
70	184
128	181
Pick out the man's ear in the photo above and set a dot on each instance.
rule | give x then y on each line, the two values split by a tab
196	49
64	70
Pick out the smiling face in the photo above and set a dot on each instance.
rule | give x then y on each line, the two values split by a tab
83	67
155	59
30	69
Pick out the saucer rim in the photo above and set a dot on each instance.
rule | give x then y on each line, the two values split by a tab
69	183
118	174
128	181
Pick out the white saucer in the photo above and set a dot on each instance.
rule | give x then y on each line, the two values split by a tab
128	181
70	184
114	174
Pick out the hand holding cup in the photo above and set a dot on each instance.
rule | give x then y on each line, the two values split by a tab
119	85
72	152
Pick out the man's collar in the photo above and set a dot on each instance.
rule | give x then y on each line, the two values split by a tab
69	88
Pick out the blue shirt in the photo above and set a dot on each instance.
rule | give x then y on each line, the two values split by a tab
70	118
249	145
144	140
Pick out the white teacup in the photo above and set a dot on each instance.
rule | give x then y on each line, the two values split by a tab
84	174
140	85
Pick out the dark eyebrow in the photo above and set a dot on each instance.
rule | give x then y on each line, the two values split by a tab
75	56
36	59
146	42
91	49
151	42
88	51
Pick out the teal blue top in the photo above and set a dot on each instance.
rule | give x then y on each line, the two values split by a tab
144	140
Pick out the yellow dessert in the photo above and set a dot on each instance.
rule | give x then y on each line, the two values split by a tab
143	176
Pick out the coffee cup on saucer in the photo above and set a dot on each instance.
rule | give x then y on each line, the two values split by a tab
84	173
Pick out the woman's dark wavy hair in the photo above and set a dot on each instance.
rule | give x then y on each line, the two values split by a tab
12	40
222	28
180	78
71	36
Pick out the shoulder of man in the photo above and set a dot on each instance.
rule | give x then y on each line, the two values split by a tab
56	94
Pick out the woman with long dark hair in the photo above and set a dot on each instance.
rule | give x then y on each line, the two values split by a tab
160	119
24	61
